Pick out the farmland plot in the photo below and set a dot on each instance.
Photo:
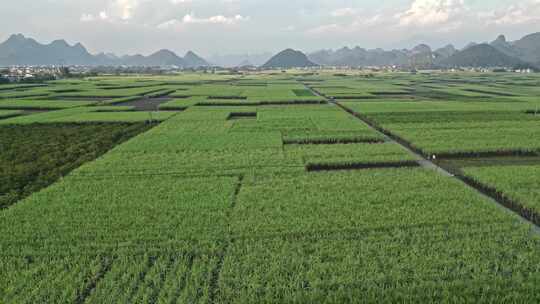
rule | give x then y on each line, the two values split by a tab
219	202
130	233
517	184
457	128
34	156
383	237
42	104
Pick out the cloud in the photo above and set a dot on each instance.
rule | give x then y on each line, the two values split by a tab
168	24
432	12
118	10
289	28
327	29
344	12
420	15
87	17
370	21
359	24
192	19
125	8
208	24
515	14
91	17
218	19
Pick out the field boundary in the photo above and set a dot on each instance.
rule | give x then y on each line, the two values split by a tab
500	197
106	266
260	103
332	141
316	167
213	289
473	155
242	115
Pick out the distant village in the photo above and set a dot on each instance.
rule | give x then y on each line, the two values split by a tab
44	73
30	73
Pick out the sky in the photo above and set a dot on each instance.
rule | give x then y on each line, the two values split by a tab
211	27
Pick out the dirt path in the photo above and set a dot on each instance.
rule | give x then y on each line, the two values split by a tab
145	104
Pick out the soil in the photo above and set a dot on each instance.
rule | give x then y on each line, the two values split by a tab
145	104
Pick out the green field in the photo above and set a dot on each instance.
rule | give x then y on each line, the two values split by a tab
288	187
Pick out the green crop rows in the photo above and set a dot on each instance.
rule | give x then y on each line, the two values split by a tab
9	113
42	104
266	187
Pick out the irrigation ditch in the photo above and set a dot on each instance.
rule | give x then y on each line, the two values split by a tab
314	167
336	141
506	204
242	115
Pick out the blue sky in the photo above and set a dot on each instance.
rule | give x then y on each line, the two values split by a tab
251	26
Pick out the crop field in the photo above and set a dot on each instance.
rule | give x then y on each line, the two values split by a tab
42	104
35	155
9	113
288	187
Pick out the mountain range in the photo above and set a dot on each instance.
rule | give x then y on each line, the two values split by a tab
499	53
525	52
19	50
239	60
289	58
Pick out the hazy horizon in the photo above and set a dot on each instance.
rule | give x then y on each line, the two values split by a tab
223	27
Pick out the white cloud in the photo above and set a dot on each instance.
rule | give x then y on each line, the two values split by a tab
168	24
420	17
369	21
192	19
118	10
289	28
90	17
125	8
432	12
87	17
515	14
219	19
344	12
389	24
327	29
